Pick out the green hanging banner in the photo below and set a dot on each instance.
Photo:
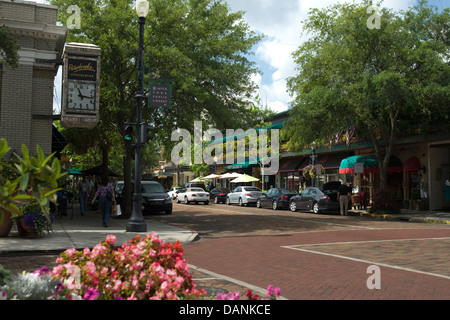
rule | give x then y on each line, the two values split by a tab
159	89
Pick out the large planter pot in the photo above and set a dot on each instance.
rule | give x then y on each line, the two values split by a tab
6	223
26	231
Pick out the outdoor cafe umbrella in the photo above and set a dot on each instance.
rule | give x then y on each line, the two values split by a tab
199	179
230	175
212	176
244	178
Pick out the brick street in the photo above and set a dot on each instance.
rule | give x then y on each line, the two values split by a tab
318	256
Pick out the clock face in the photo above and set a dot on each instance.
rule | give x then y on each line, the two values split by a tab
81	96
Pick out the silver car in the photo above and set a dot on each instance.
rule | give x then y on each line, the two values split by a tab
244	195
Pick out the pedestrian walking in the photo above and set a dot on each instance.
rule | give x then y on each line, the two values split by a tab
83	191
343	196
106	198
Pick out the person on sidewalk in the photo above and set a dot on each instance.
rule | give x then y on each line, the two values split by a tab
106	198
83	191
343	194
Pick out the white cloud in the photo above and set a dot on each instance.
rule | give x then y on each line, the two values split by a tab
280	21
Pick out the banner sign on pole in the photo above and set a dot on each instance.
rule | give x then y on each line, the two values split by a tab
159	89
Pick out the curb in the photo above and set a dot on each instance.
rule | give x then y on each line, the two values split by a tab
401	217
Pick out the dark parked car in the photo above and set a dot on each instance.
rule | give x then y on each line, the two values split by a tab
276	198
219	195
316	199
154	197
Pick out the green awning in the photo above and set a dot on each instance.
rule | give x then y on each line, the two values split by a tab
370	164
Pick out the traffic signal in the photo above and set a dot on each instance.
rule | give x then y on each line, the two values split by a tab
148	133
128	133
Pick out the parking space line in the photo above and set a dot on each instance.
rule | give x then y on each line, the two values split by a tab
298	247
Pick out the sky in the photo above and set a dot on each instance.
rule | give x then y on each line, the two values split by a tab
280	22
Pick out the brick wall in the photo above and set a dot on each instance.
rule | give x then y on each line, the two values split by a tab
28	90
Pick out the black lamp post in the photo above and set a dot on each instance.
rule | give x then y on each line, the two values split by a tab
136	223
313	159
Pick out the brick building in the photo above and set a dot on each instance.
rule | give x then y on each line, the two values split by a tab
26	92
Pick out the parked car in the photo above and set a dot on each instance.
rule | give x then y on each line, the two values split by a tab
218	195
154	197
173	192
276	198
195	195
316	199
243	195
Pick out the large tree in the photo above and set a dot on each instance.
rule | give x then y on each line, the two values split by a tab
199	44
379	80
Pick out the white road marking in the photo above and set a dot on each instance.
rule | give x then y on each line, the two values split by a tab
298	247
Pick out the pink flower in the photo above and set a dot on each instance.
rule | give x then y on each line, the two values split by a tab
91	294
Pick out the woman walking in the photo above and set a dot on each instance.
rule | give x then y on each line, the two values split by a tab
106	198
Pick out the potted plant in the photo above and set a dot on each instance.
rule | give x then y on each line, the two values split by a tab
35	182
32	223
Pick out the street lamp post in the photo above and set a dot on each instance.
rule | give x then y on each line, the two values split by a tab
313	159
136	223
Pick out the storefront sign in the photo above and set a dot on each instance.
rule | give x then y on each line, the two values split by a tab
80	69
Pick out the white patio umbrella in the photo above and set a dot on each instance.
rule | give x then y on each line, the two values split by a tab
230	175
212	176
199	179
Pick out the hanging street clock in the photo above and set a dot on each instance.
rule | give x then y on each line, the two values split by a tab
81	84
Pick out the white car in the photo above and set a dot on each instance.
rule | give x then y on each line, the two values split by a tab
244	195
195	195
173	192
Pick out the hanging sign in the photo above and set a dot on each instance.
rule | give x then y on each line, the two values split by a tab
159	89
160	95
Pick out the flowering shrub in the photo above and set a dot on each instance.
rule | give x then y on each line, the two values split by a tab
141	269
310	171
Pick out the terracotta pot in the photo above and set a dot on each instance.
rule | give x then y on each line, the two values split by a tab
25	231
6	223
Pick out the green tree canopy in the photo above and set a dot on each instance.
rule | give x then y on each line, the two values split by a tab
199	44
8	48
379	80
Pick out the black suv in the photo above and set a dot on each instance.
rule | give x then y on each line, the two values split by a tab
154	197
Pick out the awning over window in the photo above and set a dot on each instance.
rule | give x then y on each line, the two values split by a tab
290	164
412	164
370	164
395	165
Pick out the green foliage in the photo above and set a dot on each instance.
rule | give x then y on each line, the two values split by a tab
36	180
374	79
8	48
